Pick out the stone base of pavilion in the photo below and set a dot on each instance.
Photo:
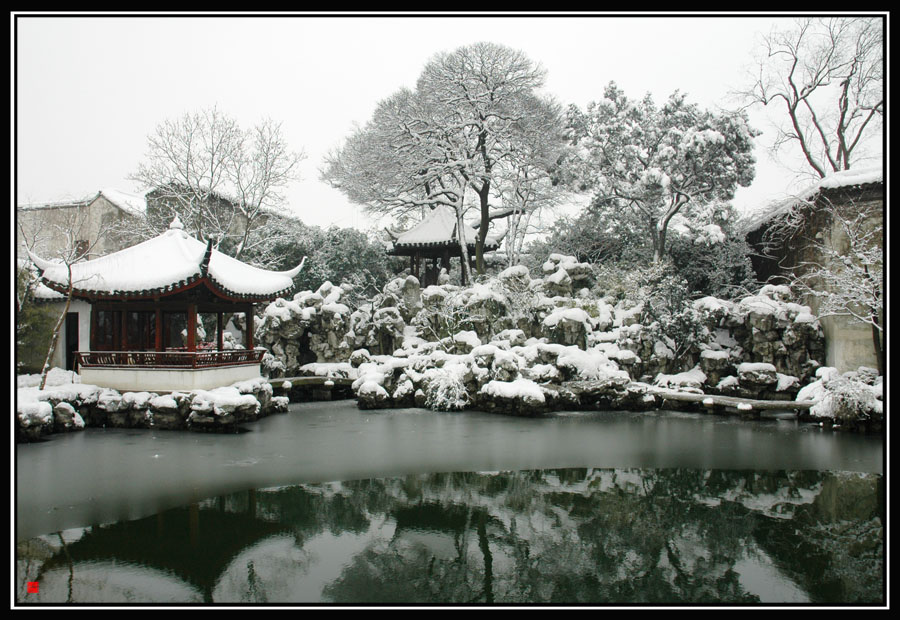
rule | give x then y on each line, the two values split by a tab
161	380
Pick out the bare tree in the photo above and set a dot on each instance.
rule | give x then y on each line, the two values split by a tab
524	182
844	271
225	183
827	75
74	242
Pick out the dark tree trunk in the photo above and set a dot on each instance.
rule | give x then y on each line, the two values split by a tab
876	339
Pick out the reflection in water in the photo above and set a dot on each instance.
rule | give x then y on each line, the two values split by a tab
561	536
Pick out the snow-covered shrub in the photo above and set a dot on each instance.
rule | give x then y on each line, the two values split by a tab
713	262
442	315
668	313
272	366
847	400
445	389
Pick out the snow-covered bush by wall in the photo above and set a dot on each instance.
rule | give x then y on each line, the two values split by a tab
848	399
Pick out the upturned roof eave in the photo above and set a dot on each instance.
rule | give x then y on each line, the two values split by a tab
166	291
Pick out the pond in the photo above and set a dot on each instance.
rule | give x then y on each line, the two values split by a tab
331	504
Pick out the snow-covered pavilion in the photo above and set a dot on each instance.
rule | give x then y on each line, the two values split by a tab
437	238
144	306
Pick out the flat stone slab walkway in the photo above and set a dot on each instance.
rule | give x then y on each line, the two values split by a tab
311	381
748	404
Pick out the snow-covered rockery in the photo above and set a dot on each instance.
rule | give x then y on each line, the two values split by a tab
309	327
318	327
68	406
761	346
524	344
521	379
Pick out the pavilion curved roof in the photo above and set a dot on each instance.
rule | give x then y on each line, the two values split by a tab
164	265
440	228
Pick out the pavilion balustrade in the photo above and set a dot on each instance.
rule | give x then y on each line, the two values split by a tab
168	359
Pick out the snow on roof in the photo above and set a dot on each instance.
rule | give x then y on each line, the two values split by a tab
845	178
134	204
45	293
849	178
164	264
58	204
439	227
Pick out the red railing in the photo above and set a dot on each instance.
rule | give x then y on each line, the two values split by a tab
168	359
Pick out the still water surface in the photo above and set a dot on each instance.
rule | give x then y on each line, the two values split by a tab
332	504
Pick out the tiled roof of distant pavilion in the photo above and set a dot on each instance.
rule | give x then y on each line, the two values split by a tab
439	228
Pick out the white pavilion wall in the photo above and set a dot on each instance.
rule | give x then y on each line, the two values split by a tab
83	310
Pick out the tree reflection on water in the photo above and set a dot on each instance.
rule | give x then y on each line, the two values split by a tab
570	536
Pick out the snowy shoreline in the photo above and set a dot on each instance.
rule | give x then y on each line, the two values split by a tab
510	344
66	405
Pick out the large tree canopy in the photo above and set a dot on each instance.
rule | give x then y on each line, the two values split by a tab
655	160
469	125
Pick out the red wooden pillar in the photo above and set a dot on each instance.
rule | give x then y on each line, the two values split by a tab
220	339
192	327
248	337
124	343
93	338
159	328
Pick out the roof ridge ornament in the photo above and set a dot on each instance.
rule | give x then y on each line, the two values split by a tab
204	264
176	224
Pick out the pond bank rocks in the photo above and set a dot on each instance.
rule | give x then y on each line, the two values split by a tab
71	407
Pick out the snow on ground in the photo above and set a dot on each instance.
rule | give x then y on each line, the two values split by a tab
755	367
692	379
329	369
62	391
576	315
520	388
56	376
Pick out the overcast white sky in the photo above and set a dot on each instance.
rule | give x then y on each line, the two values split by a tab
89	90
